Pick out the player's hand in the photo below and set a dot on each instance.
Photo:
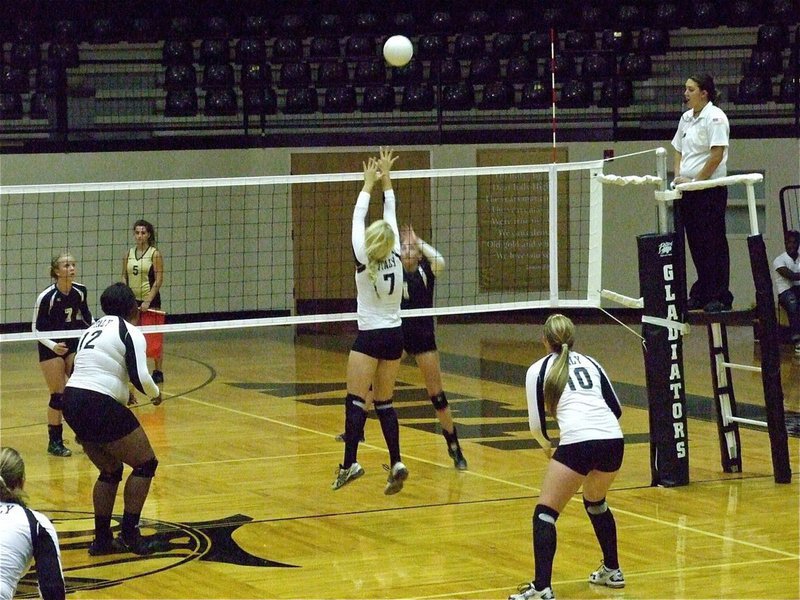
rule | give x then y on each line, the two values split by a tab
386	161
681	179
132	399
60	348
370	173
157	400
548	450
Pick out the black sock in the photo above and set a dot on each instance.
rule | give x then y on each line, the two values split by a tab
544	544
451	438
605	528
56	433
390	427
130	524
102	527
355	417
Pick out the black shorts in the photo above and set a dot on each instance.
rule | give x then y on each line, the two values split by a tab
418	335
383	344
46	354
592	455
96	417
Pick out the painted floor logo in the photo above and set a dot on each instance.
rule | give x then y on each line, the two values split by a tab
205	541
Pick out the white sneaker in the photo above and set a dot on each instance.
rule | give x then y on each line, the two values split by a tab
797	348
397	475
612	578
346	475
527	591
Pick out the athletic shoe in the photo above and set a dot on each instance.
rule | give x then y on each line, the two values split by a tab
797	348
715	306
58	449
694	304
527	591
340	437
612	578
158	377
103	546
397	475
344	476
458	458
138	544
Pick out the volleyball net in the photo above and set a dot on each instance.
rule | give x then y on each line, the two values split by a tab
259	251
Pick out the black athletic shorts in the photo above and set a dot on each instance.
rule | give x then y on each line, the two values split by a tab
96	417
418	335
383	344
592	455
46	354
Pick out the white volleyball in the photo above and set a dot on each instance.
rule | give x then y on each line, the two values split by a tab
398	50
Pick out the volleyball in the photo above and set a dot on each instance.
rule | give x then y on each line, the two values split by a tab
398	50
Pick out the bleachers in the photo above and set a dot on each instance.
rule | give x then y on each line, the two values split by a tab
248	68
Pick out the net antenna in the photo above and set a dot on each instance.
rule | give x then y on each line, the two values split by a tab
261	251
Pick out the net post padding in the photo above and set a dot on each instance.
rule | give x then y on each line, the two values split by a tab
770	360
662	286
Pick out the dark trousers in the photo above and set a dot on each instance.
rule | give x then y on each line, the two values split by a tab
703	213
790	301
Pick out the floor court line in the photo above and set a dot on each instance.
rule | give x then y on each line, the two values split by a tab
499	480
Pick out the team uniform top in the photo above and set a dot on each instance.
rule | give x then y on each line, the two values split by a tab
111	352
784	260
418	293
17	546
697	135
56	311
588	409
142	275
378	303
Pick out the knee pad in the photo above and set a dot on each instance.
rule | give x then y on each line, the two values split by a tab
595	507
383	404
545	513
56	401
147	469
112	477
439	401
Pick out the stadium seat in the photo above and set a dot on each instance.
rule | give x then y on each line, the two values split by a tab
631	15
293	25
301	100
13	80
218	77
539	45
575	93
177	52
215	51
514	20
255	76
478	21
753	89
340	99
616	92
704	15
256	101
181	103
666	15
783	11
788	91
765	62
10	105
180	77
579	41
442	22
104	30
636	66
743	13
216	27
411	72
221	103
521	69
40	106
594	17
255	26
181	27
418	97
469	45
536	94
50	78
367	22
431	47
143	30
24	55
507	45
554	17
404	23
563	67
324	47
360	46
447	70
250	50
497	95
458	96
484	70
378	99
370	72
332	73
331	25
295	74
63	54
598	66
616	40
772	36
66	30
287	49
653	41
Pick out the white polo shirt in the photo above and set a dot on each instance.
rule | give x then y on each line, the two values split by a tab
697	135
784	260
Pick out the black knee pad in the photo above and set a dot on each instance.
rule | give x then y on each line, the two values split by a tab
112	477
595	507
56	401
439	401
147	469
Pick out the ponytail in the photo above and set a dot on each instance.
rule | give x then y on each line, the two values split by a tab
379	240
12	476
559	335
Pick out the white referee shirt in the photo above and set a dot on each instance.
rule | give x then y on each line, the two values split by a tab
16	546
378	303
110	353
784	260
588	409
697	135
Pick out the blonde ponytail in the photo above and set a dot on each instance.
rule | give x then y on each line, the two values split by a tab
559	334
379	240
12	476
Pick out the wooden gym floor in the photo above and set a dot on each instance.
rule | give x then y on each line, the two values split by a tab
247	453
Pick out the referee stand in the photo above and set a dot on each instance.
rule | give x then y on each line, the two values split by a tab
728	419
